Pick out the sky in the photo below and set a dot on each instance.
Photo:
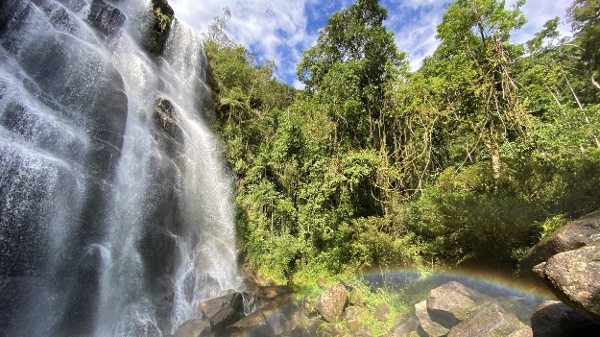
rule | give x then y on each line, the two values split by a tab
279	30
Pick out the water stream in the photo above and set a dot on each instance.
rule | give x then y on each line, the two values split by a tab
116	210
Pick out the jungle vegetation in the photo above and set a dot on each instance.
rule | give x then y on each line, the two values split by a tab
470	159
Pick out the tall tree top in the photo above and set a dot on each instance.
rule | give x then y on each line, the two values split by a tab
354	34
479	22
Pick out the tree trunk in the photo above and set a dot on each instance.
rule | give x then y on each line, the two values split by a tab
493	150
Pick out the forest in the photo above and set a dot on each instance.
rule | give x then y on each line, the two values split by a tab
468	161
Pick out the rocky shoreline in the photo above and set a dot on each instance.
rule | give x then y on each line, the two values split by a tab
568	261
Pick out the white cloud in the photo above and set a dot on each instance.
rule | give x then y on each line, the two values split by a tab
275	29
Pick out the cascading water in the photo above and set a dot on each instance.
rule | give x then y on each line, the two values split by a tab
115	206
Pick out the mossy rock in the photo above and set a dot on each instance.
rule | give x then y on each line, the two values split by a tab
163	16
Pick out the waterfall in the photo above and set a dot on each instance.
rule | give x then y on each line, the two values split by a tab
116	214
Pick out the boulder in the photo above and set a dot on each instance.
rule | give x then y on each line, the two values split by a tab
313	325
223	311
555	319
166	117
451	303
428	326
331	303
574	277
489	319
576	234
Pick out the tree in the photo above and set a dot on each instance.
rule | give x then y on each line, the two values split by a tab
482	99
354	56
585	20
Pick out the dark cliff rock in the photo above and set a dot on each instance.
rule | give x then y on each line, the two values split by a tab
84	83
106	18
12	13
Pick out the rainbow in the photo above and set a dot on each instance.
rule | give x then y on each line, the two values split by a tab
490	282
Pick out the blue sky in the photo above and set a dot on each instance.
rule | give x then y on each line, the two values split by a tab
279	30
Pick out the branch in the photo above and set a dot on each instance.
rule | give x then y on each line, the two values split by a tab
596	84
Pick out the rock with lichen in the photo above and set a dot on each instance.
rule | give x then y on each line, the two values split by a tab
574	277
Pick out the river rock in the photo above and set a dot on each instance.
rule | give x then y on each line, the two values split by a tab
576	234
574	277
556	319
331	302
451	303
490	320
427	325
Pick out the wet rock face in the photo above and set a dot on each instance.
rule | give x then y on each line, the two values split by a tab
85	88
105	18
574	277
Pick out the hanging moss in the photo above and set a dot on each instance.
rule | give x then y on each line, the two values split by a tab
157	36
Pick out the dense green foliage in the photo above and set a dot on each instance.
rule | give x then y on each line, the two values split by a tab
470	159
